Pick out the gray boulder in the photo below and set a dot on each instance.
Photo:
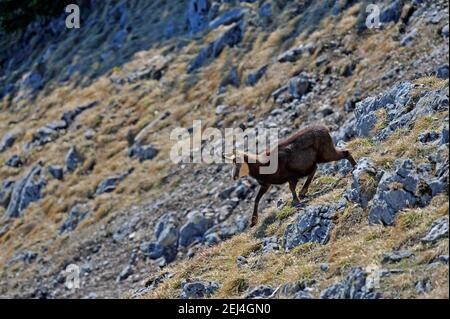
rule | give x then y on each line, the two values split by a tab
392	12
197	15
198	289
444	135
400	189
269	244
109	184
260	292
76	215
296	290
229	38
26	190
226	193
394	100
423	285
14	161
444	31
254	78
6	189
73	158
228	17
70	116
265	10
354	286
7	141
438	230
428	137
364	182
125	273
314	224
299	86
232	78
125	228
56	171
142	152
44	135
396	256
442	71
408	38
279	92
57	125
194	229
29	84
50	131
165	243
291	55
212	239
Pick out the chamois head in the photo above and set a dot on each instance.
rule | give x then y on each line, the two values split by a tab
240	168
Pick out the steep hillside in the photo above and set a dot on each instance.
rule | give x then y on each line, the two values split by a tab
86	177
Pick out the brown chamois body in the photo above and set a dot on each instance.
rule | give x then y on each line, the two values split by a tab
298	156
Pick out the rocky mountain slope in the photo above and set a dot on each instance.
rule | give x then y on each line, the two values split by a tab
86	178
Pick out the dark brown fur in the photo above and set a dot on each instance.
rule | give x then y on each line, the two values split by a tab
298	157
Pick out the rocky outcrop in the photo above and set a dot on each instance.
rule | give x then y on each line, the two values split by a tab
14	161
198	289
7	141
197	15
70	116
195	227
259	292
355	286
396	256
26	190
142	152
109	184
400	189
73	159
299	86
229	38
364	182
51	131
228	17
6	189
395	100
294	54
165	243
56	171
400	113
314	224
254	78
76	215
438	230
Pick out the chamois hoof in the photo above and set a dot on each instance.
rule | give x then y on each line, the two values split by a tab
253	222
302	195
297	204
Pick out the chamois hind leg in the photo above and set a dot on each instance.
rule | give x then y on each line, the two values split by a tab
292	186
262	190
304	189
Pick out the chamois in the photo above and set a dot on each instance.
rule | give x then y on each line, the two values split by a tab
298	156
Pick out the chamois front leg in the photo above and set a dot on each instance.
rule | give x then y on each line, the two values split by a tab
292	186
262	190
304	189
